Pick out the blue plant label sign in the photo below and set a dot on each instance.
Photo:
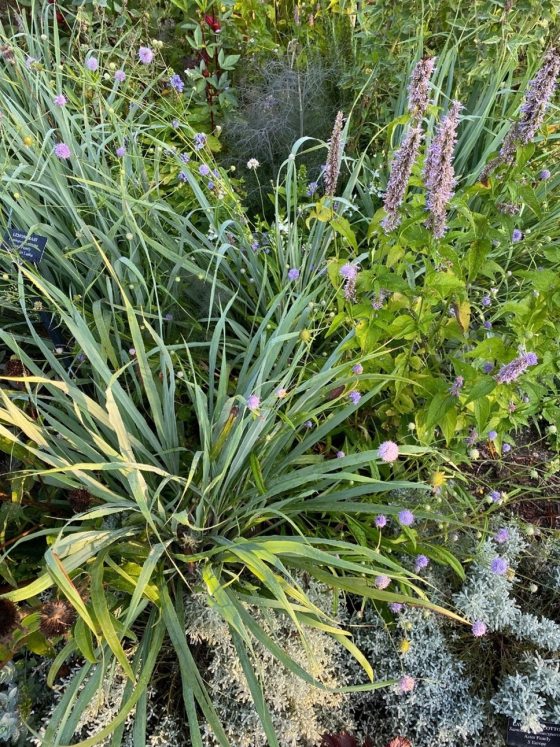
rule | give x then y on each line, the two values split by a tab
30	247
549	737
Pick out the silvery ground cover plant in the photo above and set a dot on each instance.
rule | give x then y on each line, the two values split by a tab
279	373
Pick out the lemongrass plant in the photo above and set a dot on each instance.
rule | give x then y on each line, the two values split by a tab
236	505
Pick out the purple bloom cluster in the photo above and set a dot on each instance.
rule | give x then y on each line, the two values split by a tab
380	521
199	140
349	272
401	169
382	582
293	273
145	55
421	562
253	402
120	76
176	82
511	371
354	396
120	151
419	87
479	628
357	369
312	187
378	299
439	175
455	388
544	175
92	63
406	518
62	151
499	566
388	451
516	236
501	536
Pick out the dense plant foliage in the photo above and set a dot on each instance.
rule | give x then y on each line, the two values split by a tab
279	403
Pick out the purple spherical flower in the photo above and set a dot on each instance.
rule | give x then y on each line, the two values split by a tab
501	536
479	628
380	521
348	271
487	367
499	566
396	607
544	175
340	455
168	317
183	176
253	402
120	76
382	582
60	100
487	325
203	169
177	83
406	517
210	185
495	495
421	562
61	150
406	684
358	369
354	396
175	124
516	236
145	55
92	63
184	157
388	451
293	273
199	140
121	151
486	301
308	424
506	448
492	435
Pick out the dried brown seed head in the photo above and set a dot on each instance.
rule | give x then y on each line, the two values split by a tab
56	618
9	616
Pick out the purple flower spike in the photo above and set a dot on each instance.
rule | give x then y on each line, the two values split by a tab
479	628
499	566
439	175
419	87
401	169
455	388
513	370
